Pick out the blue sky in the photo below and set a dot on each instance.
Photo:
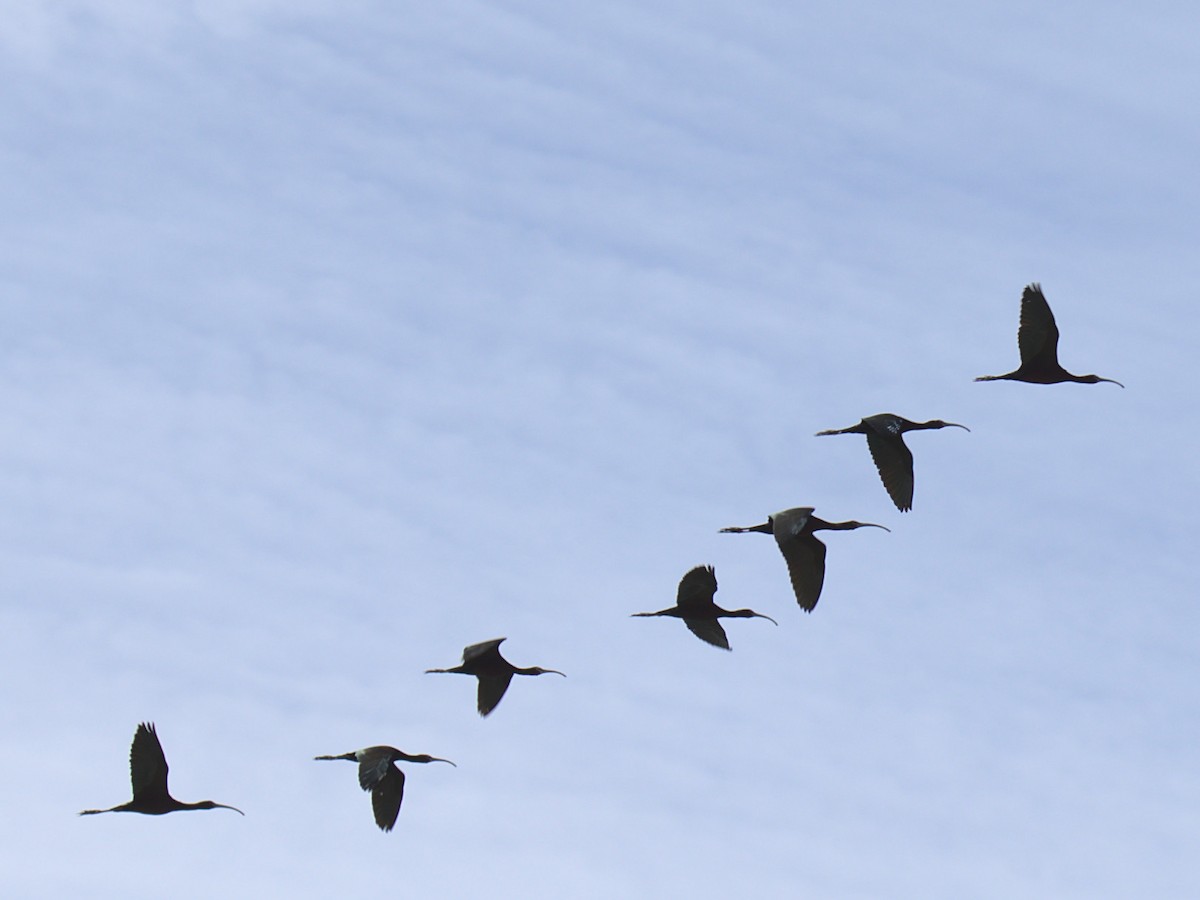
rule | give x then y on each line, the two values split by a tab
339	336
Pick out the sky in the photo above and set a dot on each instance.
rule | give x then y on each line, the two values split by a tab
338	336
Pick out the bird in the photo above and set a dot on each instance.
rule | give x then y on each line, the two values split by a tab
378	774
494	672
148	771
1037	339
694	604
885	438
803	551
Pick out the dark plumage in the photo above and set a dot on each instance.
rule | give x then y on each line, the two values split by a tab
493	671
803	551
694	604
148	772
378	774
1037	339
893	459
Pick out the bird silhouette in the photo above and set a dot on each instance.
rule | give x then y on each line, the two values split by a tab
803	551
1037	339
694	604
378	774
493	671
148	772
893	459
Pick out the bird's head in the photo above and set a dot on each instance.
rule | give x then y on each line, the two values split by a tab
1096	379
426	758
938	423
853	524
212	804
751	614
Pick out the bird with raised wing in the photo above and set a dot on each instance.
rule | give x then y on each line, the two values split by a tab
1037	340
148	772
377	773
893	459
494	672
803	551
694	604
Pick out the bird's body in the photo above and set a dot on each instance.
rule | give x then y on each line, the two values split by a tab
694	604
148	772
378	774
1037	339
494	672
893	459
803	551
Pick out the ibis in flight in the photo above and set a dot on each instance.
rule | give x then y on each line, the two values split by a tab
893	459
493	671
803	551
1037	339
148	771
694	604
378	774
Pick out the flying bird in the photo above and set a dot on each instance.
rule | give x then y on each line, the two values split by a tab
893	459
378	774
1037	339
148	771
493	671
694	604
803	551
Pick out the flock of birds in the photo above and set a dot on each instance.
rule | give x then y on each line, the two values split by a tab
794	533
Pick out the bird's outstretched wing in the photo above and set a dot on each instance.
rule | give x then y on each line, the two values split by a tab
491	689
386	798
697	589
147	762
374	763
805	556
482	649
895	464
1037	336
709	631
